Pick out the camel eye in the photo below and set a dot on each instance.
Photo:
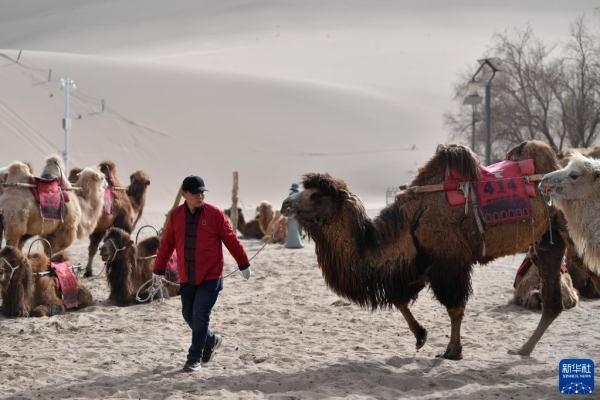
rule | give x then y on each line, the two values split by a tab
574	176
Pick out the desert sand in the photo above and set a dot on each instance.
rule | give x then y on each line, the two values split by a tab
287	336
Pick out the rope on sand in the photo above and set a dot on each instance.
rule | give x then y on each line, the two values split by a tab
156	285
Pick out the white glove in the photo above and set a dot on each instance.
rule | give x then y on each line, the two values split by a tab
246	273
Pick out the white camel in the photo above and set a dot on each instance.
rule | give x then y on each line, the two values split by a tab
21	213
575	190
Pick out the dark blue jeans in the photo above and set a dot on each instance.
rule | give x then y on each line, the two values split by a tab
197	302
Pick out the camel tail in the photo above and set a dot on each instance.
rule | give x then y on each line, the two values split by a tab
460	159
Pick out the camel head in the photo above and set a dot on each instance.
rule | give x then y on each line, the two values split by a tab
54	168
115	241
139	179
579	180
9	264
91	180
16	283
74	174
320	202
109	169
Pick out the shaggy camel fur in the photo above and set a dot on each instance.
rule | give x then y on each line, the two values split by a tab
420	239
528	289
124	271
575	190
584	280
250	229
126	211
272	223
25	293
21	213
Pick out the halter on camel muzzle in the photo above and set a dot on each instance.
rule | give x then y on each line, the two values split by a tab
117	250
12	269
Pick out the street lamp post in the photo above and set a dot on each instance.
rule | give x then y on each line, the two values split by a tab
473	98
67	85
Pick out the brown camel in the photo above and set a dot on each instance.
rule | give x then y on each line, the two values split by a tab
125	272
250	229
420	239
126	209
528	288
21	212
272	223
26	293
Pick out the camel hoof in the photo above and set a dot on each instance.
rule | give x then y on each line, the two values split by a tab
88	274
421	338
519	353
452	353
450	356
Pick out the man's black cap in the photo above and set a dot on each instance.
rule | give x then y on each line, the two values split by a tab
193	184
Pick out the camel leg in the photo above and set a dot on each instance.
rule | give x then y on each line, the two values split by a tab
62	238
95	239
451	284
414	326
548	259
454	348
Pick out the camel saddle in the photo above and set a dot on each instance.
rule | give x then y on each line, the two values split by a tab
110	194
502	192
68	284
524	267
49	194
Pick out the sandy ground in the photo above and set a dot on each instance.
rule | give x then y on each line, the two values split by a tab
287	336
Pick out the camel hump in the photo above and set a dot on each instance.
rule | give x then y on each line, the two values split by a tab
458	158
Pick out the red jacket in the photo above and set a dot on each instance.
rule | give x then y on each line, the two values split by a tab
213	229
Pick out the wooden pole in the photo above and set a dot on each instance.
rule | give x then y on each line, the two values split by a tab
234	202
175	204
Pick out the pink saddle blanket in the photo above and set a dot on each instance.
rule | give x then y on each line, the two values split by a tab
524	267
502	192
68	284
108	201
50	196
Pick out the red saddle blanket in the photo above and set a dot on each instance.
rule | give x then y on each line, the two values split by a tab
172	273
68	284
50	196
502	193
110	194
524	267
108	201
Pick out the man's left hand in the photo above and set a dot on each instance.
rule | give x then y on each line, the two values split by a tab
246	272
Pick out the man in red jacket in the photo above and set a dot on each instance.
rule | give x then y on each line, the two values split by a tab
196	230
